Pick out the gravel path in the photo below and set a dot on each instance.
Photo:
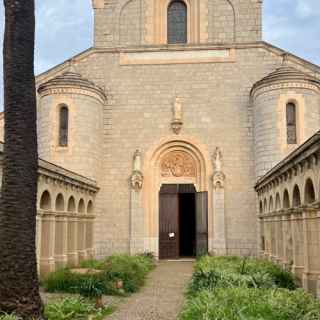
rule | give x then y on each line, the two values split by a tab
162	296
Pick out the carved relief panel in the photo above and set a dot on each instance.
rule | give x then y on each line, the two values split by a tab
178	164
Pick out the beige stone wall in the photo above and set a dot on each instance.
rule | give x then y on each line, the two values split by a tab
134	22
217	112
83	153
270	122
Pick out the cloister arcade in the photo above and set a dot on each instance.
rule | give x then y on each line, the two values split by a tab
289	213
65	217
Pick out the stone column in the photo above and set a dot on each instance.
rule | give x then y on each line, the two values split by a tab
61	240
47	261
72	240
219	246
311	250
136	211
297	238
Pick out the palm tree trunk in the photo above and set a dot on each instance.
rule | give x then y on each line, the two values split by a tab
19	287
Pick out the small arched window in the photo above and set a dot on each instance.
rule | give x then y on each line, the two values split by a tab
291	114
63	126
177	22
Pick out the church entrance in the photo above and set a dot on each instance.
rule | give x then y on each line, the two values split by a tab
183	221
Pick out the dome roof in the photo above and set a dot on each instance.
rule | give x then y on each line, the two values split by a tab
71	79
285	74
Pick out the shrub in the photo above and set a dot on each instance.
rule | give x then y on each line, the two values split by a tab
216	272
245	303
130	270
75	308
69	309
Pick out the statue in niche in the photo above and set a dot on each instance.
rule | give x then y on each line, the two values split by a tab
218	175
177	123
217	160
137	161
136	179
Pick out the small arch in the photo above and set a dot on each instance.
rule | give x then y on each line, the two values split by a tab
81	206
71	204
278	201
63	125
45	201
90	207
296	198
60	202
270	204
286	200
261	207
309	193
177	22
265	206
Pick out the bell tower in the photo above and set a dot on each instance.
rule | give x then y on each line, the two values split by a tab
132	23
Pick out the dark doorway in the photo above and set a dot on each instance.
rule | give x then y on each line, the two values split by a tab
187	223
183	230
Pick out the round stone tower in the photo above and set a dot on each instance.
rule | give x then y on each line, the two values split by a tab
70	123
286	107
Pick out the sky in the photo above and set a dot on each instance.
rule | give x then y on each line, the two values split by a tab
65	28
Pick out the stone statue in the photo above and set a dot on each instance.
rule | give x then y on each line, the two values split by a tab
137	160
177	109
136	178
218	175
177	122
217	160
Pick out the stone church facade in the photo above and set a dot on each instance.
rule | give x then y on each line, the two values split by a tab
178	107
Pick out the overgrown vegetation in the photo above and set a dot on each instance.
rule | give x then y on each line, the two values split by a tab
115	275
232	288
211	273
71	308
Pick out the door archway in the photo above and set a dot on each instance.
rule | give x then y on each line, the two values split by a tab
179	162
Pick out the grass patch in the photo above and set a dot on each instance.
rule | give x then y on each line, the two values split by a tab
233	288
119	275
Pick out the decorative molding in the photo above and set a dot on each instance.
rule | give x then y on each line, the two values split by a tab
218	180
72	90
136	180
284	85
178	164
177	57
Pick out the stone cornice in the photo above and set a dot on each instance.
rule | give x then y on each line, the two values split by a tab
70	89
55	174
59	175
72	83
281	84
307	154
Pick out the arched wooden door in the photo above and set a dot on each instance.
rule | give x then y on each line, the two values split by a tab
169	214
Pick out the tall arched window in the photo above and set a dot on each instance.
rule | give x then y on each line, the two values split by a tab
177	22
63	126
291	123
